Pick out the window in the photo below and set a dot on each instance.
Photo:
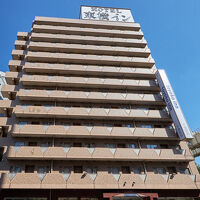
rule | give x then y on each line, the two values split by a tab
157	126
146	126
172	170
35	122
141	108
64	170
92	170
43	170
89	145
131	146
164	146
137	170
113	170
19	144
121	146
77	144
78	169
32	144
183	170
159	170
76	124
152	146
126	170
29	168
15	169
111	146
45	144
128	125
177	149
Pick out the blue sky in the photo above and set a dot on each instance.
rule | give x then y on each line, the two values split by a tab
171	28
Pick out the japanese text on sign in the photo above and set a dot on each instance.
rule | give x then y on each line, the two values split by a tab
106	14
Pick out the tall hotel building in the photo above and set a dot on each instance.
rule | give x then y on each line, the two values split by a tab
86	119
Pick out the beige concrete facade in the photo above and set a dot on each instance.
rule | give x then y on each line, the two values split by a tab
85	112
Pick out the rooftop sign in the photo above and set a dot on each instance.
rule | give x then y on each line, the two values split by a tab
173	106
106	14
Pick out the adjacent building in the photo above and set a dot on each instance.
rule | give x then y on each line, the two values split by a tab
2	82
86	119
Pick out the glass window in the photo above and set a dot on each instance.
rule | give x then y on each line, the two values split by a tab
113	170
15	169
164	146
137	170
121	145
64	170
92	170
89	145
19	144
110	145
131	146
183	170
152	146
45	144
43	170
141	108
159	170
146	126
78	169
126	170
77	144
29	168
32	144
172	170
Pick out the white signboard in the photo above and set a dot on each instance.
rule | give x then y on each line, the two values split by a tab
106	14
174	108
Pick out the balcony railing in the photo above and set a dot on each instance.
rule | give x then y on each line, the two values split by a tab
86	23
101	180
92	131
88	113
87	96
89	82
84	49
88	31
96	153
84	59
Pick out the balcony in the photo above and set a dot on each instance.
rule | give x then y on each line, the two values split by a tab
15	65
96	153
89	82
4	126
89	40
6	107
101	180
86	24
87	31
92	97
70	131
90	113
63	58
18	54
84	49
93	70
12	78
23	36
9	91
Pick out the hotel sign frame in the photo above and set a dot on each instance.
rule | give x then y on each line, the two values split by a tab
173	106
106	14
